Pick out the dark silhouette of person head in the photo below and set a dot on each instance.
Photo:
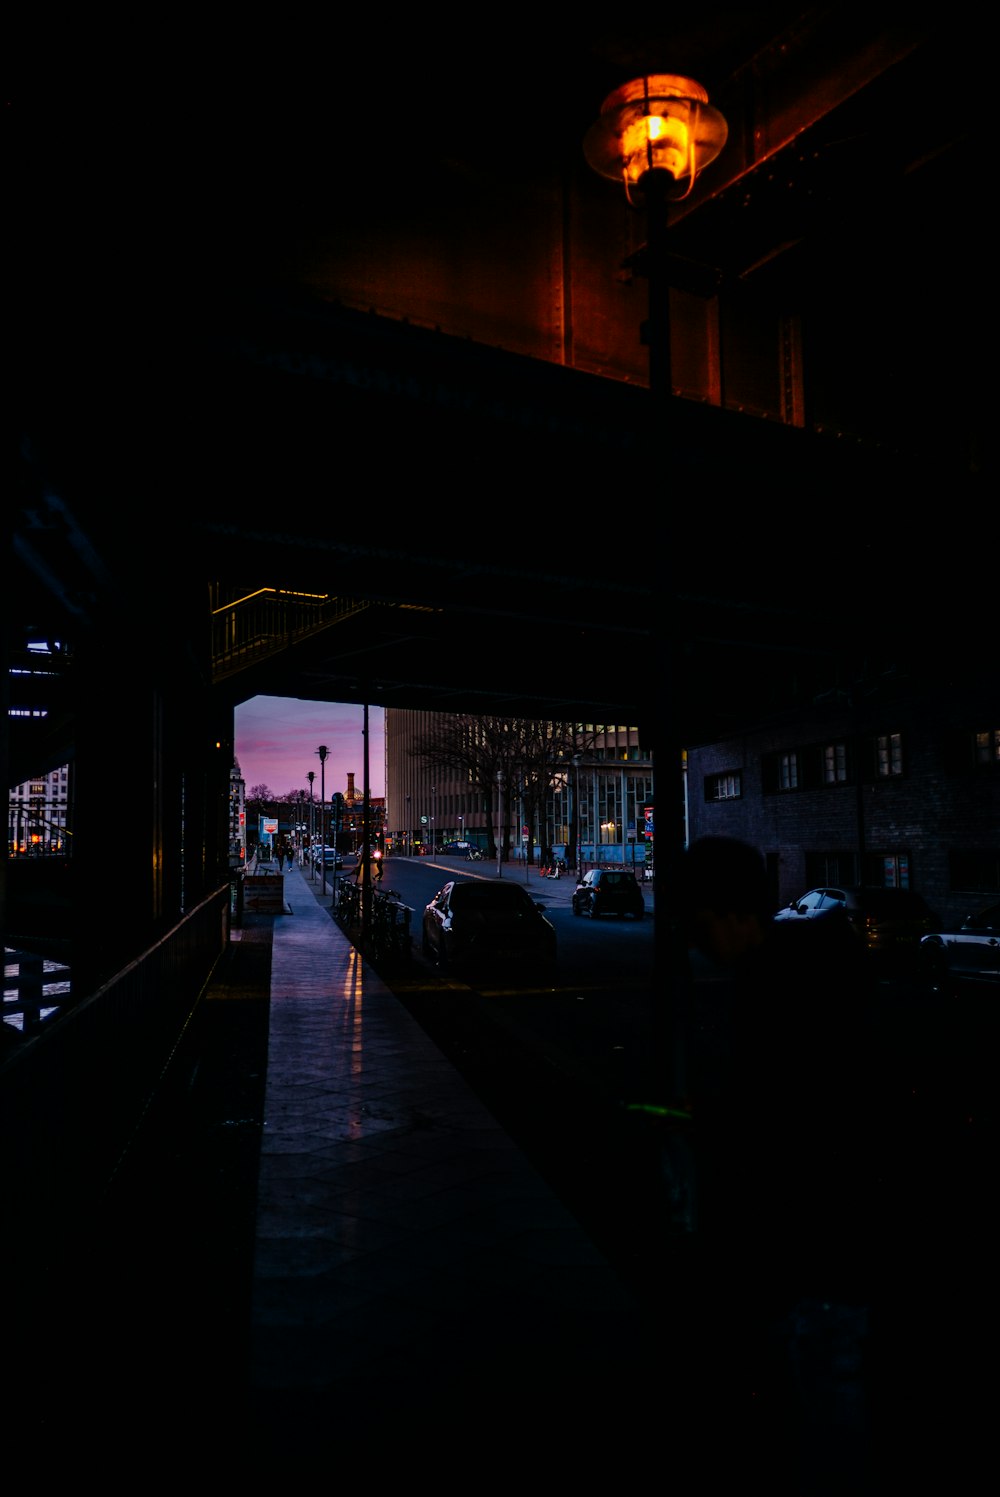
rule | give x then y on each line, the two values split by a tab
725	902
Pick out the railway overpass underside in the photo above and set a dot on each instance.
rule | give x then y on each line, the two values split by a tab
233	478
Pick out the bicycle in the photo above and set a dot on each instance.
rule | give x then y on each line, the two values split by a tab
349	904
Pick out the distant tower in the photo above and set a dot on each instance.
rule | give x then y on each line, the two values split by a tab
352	794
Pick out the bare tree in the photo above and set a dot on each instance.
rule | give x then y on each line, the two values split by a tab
516	759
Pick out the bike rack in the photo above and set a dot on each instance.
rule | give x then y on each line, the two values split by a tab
389	933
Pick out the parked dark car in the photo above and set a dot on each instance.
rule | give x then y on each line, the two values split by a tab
973	950
609	891
456	849
326	857
890	922
479	924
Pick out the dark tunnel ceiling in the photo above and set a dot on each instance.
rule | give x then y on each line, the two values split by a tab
727	614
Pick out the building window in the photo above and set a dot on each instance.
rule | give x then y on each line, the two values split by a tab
782	772
987	747
835	764
889	754
788	771
886	870
831	868
724	786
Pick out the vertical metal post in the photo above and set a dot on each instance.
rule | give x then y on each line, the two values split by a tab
312	825
657	329
366	877
322	751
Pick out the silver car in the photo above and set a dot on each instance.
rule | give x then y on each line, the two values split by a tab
973	950
890	922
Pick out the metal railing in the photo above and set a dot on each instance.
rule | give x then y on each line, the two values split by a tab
73	1094
249	628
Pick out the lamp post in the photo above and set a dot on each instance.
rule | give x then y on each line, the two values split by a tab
409	829
366	878
576	812
499	823
322	751
654	135
433	805
312	824
300	825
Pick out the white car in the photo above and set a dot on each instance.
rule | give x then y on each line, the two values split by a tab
973	950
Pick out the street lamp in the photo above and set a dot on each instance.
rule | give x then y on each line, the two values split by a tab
300	825
409	829
322	751
655	134
499	823
576	810
433	804
312	825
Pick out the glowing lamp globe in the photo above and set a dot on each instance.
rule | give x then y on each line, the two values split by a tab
662	123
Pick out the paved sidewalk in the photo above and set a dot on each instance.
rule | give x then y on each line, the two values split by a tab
414	1275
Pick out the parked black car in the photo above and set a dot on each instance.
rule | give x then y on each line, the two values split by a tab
973	950
497	926
890	922
326	857
609	891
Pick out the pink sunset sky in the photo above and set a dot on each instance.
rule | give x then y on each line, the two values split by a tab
277	739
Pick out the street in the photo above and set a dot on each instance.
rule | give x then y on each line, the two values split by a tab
577	1072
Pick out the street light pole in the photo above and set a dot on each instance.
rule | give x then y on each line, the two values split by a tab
576	812
366	881
655	135
499	823
322	751
312	825
300	825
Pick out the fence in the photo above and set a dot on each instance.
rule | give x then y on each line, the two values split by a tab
72	1093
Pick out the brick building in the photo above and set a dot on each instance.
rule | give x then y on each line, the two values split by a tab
893	788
